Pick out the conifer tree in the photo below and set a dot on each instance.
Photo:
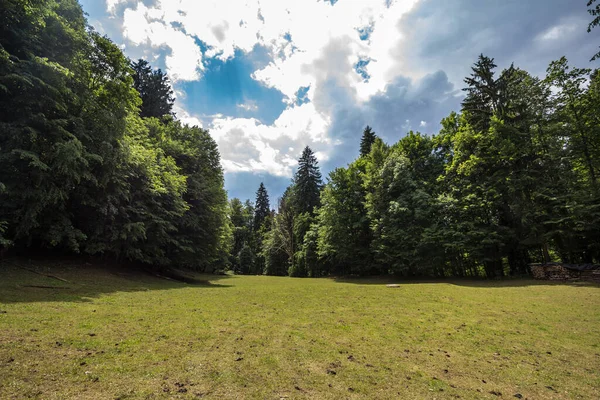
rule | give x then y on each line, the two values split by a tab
154	88
262	208
368	138
307	182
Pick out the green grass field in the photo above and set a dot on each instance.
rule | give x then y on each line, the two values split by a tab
110	335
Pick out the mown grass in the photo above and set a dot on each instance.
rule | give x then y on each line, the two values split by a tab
110	335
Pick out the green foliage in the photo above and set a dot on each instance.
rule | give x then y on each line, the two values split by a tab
307	182
314	265
245	260
199	233
81	171
4	243
154	89
402	208
239	227
93	160
42	134
510	180
367	140
344	235
276	259
279	245
261	224
262	210
283	247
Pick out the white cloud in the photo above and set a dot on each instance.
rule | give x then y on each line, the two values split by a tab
186	117
248	145
140	26
312	44
241	24
112	4
561	31
248	106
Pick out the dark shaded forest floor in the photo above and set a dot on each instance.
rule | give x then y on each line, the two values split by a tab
107	334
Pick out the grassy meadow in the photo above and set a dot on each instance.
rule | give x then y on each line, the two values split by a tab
106	334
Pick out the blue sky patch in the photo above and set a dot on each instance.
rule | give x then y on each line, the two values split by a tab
227	88
364	33
361	68
302	95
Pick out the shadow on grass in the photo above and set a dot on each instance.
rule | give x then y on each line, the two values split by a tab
467	282
30	281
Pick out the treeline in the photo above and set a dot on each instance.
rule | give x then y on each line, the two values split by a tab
92	159
511	179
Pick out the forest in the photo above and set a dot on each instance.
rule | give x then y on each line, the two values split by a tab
94	162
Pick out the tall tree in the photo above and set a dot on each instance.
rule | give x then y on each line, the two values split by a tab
344	234
280	245
575	101
572	107
486	95
262	207
307	182
367	140
200	231
44	157
402	207
154	88
241	216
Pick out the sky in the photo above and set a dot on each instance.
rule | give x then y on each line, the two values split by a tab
269	77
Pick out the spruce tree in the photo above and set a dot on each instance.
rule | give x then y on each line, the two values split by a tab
481	101
307	182
154	88
262	208
368	138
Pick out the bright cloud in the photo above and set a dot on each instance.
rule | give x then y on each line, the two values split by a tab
560	31
248	106
112	4
143	25
312	44
296	32
248	145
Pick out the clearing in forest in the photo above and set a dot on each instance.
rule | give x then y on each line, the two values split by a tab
110	335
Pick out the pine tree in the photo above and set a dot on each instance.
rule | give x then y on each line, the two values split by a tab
481	101
154	88
307	182
368	138
262	207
